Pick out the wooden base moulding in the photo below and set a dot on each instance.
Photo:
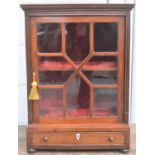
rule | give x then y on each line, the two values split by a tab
91	136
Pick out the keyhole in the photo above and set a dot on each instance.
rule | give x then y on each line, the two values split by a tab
78	136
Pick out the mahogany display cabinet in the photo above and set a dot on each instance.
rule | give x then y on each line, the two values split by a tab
80	56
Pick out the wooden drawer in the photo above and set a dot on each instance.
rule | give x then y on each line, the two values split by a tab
78	138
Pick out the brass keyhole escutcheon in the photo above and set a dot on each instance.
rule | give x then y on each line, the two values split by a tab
77	136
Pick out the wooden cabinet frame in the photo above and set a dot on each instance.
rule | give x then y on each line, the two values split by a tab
80	13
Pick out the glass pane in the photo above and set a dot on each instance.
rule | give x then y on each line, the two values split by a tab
49	37
78	98
54	63
101	77
105	37
51	102
53	77
101	63
77	41
105	102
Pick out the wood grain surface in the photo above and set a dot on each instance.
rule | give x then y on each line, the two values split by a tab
22	146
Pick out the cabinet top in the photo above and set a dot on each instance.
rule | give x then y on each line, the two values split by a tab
76	7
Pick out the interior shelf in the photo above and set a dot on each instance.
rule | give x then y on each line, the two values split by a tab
100	66
109	66
56	66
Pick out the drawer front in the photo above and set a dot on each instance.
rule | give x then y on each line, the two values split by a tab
85	138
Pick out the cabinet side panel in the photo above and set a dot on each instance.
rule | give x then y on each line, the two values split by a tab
127	60
28	65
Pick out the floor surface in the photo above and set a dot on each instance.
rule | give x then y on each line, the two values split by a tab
22	146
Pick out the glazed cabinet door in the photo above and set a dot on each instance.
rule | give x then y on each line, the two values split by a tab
79	62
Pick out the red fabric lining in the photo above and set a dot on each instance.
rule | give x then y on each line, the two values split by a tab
54	109
63	65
